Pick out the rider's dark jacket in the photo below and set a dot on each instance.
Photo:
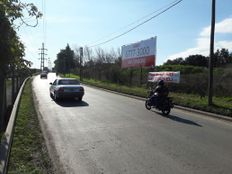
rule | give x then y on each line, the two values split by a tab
162	91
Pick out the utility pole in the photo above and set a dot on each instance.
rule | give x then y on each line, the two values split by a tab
141	76
42	56
49	64
81	57
210	76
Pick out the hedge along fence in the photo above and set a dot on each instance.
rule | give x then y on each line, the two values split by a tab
193	79
6	140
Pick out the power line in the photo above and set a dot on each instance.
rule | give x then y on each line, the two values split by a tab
166	9
43	49
44	20
136	21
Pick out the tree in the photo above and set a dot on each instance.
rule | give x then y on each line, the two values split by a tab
11	48
177	61
222	57
65	60
196	60
17	10
10	13
88	53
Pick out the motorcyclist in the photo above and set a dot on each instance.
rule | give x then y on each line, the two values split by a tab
159	93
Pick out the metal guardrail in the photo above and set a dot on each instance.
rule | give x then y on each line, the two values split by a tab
6	141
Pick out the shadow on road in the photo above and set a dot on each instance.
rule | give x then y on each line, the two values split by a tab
179	119
183	120
72	103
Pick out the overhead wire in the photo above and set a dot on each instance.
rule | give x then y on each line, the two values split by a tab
44	20
136	21
171	5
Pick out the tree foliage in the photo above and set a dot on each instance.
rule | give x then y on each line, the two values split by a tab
11	48
220	58
65	60
16	9
12	13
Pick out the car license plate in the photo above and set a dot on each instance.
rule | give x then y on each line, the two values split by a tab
75	90
71	90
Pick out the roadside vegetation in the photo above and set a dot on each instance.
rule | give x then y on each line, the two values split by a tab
13	14
222	105
102	68
28	153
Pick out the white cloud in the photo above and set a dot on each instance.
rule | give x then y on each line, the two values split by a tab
224	44
203	41
202	48
191	51
224	26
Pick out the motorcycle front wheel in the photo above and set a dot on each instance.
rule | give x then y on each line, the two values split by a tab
147	105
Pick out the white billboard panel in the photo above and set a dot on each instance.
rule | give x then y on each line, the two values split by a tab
140	54
169	76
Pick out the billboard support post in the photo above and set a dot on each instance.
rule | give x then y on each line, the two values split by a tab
131	76
81	57
141	76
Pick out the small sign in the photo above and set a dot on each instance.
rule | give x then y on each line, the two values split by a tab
167	76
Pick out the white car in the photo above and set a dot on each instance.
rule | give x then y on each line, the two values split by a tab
66	88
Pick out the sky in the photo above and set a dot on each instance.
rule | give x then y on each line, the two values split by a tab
181	31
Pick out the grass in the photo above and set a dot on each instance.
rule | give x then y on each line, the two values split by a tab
28	153
222	105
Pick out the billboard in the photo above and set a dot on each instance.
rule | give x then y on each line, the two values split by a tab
168	76
140	54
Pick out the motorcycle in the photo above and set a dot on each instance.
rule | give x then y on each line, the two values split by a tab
163	105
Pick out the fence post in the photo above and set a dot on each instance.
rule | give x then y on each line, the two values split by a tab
2	100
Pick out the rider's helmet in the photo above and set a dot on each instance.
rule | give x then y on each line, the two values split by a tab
161	82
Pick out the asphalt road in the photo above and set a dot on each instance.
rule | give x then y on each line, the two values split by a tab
110	133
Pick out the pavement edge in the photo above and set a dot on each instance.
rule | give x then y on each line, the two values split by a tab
209	114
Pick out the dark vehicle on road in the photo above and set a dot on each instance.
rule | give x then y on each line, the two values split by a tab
163	105
66	88
44	75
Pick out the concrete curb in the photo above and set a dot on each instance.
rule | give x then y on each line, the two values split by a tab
209	114
7	137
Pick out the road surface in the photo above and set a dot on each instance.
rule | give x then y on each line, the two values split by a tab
109	133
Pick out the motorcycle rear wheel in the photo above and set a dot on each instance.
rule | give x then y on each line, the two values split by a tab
166	111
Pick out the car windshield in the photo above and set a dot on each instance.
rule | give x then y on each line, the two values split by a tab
68	82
